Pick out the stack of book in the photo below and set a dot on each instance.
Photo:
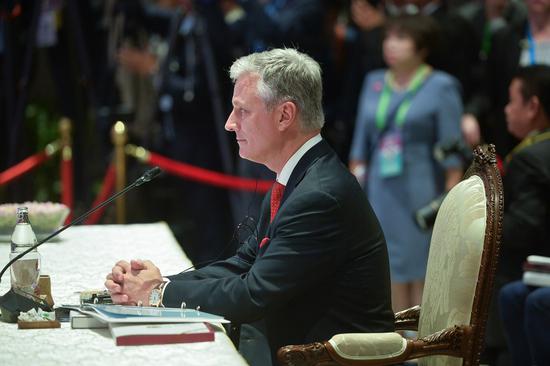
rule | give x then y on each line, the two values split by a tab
131	325
161	333
85	321
536	271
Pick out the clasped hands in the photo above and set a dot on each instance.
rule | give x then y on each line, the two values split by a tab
132	283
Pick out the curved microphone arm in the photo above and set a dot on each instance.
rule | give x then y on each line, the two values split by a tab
146	177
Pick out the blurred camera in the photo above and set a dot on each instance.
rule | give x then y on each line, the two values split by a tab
454	147
425	216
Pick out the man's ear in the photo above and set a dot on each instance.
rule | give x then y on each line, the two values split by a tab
288	115
534	107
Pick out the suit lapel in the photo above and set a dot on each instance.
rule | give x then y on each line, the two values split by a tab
309	158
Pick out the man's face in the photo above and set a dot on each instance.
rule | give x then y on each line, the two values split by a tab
519	112
254	125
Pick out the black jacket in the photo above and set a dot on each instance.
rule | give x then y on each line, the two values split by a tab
526	227
324	271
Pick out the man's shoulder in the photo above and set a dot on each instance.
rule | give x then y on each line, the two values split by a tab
329	176
541	153
535	157
320	172
537	150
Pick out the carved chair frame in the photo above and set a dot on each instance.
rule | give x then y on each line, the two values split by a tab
465	340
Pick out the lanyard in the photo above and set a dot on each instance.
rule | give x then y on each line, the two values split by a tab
382	109
486	41
528	141
531	44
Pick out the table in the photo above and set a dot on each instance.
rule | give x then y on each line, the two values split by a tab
79	260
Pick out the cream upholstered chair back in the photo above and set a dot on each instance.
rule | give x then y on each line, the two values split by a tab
462	260
453	266
458	285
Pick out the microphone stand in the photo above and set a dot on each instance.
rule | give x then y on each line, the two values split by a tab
14	301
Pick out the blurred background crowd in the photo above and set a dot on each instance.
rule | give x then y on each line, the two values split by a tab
161	67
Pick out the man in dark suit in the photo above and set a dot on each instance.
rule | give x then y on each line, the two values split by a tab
526	226
527	180
317	263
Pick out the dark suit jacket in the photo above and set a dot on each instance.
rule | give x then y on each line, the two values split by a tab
323	272
492	96
526	227
457	47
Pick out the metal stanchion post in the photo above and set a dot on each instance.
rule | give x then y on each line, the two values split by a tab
65	127
119	137
66	166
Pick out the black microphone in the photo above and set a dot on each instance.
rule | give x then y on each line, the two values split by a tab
15	301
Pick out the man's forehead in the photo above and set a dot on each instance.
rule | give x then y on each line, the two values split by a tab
245	86
247	80
516	86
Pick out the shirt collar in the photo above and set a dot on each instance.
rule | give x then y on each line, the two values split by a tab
284	176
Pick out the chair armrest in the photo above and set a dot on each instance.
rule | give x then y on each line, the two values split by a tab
453	341
305	354
407	319
376	349
365	348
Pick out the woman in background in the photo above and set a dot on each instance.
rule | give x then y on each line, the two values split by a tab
404	112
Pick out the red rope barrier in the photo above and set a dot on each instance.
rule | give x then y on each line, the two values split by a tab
23	167
67	196
106	190
207	176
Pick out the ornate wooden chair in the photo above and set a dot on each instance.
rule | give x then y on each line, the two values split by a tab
459	279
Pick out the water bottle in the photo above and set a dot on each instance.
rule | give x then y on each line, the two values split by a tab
25	272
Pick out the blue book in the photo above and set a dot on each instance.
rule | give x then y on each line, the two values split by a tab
142	314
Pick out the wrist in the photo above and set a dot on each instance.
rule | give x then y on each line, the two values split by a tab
155	295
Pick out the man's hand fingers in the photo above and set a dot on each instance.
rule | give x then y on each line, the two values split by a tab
119	299
137	264
124	265
148	264
113	287
118	271
117	274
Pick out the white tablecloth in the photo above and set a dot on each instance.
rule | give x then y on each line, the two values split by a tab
78	261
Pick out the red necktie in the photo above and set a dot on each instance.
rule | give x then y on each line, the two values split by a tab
276	196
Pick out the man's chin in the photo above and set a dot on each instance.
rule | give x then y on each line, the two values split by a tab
246	156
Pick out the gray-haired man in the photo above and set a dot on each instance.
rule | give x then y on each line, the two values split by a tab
317	263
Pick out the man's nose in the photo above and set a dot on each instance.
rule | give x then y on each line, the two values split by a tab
230	124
